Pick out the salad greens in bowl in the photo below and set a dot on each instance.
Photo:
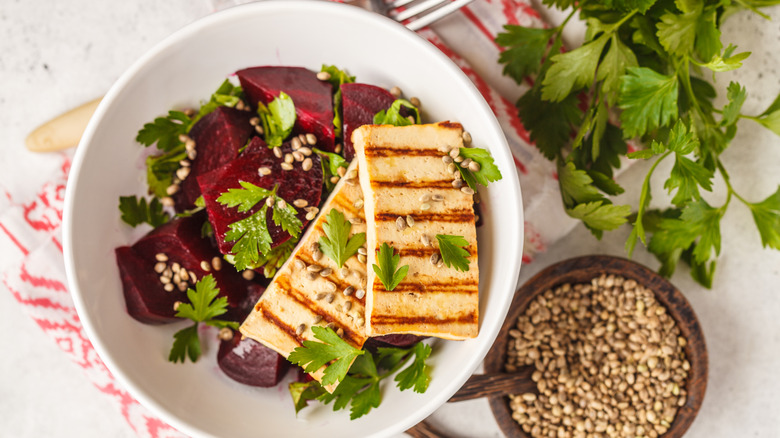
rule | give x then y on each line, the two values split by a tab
127	193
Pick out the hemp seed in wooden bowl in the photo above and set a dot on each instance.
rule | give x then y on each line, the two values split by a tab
615	351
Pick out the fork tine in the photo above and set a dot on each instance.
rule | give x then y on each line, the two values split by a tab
417	9
437	14
399	3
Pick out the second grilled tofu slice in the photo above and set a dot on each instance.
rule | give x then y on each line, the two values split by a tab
310	289
409	200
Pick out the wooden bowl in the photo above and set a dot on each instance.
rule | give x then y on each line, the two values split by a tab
582	270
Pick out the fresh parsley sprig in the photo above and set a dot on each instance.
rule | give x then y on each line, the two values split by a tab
392	116
278	119
488	171
136	211
330	163
642	61
337	243
251	236
337	78
204	307
360	389
330	350
453	251
387	270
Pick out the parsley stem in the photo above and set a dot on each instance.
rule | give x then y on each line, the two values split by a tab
399	365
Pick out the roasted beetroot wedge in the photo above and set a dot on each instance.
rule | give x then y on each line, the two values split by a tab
293	184
145	298
359	103
218	137
312	98
171	248
250	362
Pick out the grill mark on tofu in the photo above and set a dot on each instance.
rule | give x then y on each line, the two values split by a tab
422	252
382	151
432	184
460	216
469	318
299	296
460	287
271	317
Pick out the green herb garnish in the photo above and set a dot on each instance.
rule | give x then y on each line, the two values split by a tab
330	163
204	307
332	350
337	78
386	269
336	243
392	116
453	252
644	61
488	171
137	211
278	119
360	387
253	240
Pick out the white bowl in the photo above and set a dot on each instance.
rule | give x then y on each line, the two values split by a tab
186	67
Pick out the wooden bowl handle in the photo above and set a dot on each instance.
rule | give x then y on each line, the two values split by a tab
493	384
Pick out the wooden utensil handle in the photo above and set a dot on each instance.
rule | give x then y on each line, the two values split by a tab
62	132
486	385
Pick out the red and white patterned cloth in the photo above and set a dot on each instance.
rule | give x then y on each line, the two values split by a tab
31	210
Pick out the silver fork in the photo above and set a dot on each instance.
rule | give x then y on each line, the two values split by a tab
415	14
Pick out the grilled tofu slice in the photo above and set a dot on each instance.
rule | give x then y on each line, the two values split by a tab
402	175
310	289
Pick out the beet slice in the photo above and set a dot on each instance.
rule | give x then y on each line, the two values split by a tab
244	308
312	97
250	362
218	137
145	296
397	340
293	184
359	103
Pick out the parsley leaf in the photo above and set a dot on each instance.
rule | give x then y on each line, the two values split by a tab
648	100
137	211
600	215
525	48
386	270
392	116
278	119
253	240
360	389
576	185
618	58
330	163
726	62
204	306
453	252
165	131
736	95
766	214
336	243
572	70
226	95
677	32
161	168
416	375
331	350
337	78
488	171
549	124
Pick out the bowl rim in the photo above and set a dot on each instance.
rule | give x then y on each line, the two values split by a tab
499	151
665	292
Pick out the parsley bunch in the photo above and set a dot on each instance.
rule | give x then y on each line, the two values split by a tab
644	65
359	385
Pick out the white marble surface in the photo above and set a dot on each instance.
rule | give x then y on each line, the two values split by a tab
56	55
